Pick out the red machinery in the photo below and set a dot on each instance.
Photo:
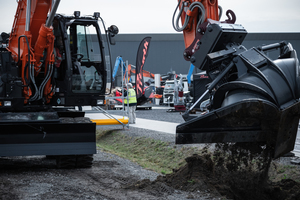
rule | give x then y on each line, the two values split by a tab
49	65
252	97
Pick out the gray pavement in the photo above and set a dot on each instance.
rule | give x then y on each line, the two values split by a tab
145	118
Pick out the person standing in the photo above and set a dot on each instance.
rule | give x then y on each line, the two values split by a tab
132	103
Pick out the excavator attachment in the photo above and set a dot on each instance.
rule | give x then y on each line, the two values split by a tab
252	97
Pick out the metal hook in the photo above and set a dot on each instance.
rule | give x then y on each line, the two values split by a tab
231	17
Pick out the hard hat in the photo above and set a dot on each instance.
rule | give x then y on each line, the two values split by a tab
129	85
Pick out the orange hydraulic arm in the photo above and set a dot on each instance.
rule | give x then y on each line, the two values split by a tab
31	37
131	70
193	12
145	73
195	16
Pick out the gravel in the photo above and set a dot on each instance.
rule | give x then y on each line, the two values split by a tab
37	177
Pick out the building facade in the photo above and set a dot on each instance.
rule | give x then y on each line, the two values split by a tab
166	50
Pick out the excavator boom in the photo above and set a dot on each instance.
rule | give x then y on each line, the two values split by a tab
29	17
30	37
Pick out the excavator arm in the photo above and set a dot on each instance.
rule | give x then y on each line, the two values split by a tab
193	13
195	16
32	39
253	98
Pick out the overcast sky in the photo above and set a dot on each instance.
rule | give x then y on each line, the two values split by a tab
155	16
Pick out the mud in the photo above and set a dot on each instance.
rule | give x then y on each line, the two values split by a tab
232	171
37	177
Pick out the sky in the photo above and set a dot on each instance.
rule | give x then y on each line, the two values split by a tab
155	16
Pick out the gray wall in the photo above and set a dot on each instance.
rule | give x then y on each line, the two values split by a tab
165	52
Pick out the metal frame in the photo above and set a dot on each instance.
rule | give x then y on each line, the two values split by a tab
122	97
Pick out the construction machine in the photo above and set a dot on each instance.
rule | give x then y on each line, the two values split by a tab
253	98
50	64
130	72
176	93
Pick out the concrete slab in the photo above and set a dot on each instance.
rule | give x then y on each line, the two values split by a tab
166	127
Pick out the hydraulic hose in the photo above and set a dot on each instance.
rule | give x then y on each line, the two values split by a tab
187	18
176	28
220	12
43	84
35	96
201	13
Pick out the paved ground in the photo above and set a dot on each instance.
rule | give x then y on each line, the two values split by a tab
145	118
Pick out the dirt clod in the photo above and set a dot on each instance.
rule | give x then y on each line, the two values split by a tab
234	171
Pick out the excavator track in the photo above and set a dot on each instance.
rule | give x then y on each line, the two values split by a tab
74	161
72	141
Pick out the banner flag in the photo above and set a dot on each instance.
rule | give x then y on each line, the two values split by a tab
140	61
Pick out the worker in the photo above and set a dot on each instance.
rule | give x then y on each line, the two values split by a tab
132	103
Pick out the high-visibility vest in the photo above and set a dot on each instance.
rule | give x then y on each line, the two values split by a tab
131	96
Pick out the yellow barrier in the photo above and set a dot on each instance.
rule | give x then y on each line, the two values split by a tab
109	121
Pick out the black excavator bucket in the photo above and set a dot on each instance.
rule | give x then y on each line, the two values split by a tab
252	98
252	120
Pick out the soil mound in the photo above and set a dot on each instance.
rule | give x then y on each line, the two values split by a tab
233	171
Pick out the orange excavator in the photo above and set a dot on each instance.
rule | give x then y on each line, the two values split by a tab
128	72
253	98
49	64
131	69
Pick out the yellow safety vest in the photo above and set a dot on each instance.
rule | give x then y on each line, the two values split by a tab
131	96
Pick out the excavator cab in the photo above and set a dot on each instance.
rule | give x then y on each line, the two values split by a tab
81	59
87	59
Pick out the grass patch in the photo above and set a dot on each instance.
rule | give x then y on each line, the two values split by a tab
160	157
151	154
280	172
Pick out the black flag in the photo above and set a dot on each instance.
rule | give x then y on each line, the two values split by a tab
140	61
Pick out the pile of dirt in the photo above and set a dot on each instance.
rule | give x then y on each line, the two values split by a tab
233	171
